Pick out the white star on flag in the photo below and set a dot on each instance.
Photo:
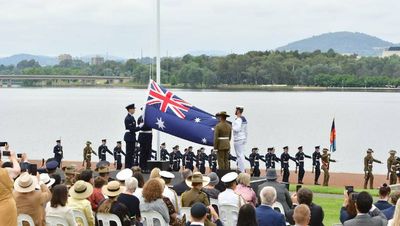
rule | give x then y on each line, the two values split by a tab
212	128
214	117
204	140
160	123
197	120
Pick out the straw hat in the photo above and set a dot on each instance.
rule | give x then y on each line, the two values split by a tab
124	174
81	190
45	178
25	183
112	189
197	177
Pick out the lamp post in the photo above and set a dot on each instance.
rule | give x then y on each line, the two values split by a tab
158	66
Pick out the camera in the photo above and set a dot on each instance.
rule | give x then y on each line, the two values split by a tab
2	144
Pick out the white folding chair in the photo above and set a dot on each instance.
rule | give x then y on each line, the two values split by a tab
56	221
79	215
228	214
150	216
106	218
277	206
185	211
25	218
337	224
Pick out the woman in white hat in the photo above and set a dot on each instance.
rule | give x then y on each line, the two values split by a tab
112	205
28	200
78	199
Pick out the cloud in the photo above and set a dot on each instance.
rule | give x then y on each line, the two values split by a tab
124	27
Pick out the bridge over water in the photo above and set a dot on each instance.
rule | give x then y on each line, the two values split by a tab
83	79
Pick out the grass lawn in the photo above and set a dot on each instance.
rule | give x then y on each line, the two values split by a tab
331	207
332	190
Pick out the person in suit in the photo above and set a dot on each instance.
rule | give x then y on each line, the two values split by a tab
283	195
316	156
117	155
300	156
305	196
199	214
265	214
58	153
130	135
222	137
389	212
363	206
145	140
182	186
103	150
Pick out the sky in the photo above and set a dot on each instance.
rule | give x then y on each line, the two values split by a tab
126	28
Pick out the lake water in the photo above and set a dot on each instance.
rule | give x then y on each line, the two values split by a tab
32	119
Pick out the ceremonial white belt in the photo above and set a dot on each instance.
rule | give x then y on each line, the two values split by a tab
146	131
285	161
223	138
301	160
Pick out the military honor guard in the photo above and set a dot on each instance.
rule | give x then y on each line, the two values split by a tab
212	161
368	162
145	140
103	150
239	127
300	156
270	158
326	160
164	152
392	164
58	153
175	159
316	156
201	160
188	158
222	138
285	157
117	155
87	155
130	135
254	159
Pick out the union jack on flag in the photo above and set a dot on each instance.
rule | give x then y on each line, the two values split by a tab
170	114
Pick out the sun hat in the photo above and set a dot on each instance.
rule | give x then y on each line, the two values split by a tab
81	190
25	183
197	177
166	174
214	179
124	174
112	189
229	177
45	178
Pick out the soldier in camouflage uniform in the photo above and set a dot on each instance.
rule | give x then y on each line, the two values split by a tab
392	167
368	161
87	155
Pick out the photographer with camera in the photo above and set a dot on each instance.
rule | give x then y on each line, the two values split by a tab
8	207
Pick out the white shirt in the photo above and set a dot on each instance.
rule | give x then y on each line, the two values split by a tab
63	212
169	193
229	197
138	194
239	127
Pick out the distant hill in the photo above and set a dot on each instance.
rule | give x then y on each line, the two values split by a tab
342	42
15	59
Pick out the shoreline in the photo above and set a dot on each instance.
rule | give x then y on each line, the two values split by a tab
337	179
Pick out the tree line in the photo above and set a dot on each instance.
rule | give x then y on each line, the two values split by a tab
327	69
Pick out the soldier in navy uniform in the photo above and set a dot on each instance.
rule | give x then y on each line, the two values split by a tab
212	161
201	161
316	156
130	135
58	152
285	157
145	140
103	150
117	155
254	160
164	152
270	158
188	158
300	159
136	156
175	159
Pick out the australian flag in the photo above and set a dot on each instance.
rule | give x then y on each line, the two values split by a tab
166	112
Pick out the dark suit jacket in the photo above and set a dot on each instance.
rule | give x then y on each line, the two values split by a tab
317	216
389	212
382	205
180	188
130	124
266	216
282	194
366	220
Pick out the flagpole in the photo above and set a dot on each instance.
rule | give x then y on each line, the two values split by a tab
158	67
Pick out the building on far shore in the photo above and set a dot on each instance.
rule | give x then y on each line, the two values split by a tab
63	57
97	60
393	50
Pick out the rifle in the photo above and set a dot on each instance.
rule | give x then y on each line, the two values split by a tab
295	171
312	169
